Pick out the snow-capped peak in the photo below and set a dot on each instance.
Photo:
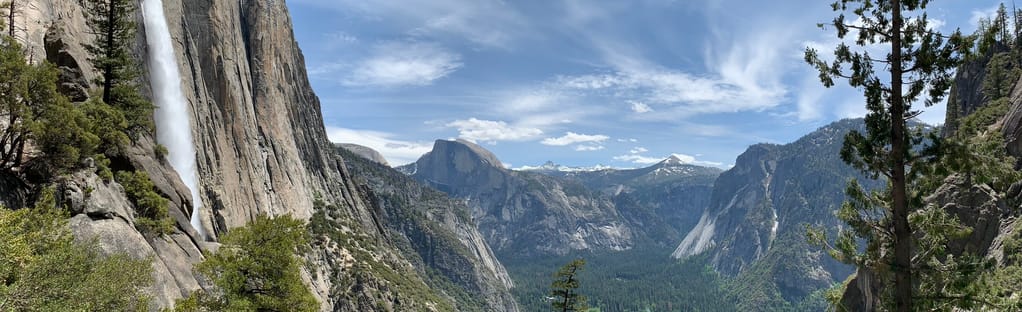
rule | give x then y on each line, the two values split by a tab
551	166
674	160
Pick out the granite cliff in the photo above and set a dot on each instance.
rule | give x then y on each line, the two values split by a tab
754	226
262	149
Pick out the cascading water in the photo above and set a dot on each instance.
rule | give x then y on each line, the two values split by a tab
173	125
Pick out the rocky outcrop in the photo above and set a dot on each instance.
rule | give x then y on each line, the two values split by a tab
102	212
365	152
966	95
975	205
1012	125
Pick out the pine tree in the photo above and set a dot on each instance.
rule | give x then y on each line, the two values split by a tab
920	63
112	24
29	104
565	288
256	269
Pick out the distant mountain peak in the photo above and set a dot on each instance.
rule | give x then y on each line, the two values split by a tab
481	152
551	166
674	160
365	152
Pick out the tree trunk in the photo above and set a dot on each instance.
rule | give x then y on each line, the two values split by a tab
567	292
10	17
902	232
108	71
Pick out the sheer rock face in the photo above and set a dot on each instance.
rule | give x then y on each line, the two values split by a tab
1012	126
262	147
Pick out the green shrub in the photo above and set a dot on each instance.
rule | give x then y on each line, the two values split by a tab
153	216
109	124
42	268
103	168
160	151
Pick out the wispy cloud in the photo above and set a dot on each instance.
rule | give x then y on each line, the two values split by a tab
491	131
397	152
488	23
403	63
743	73
640	107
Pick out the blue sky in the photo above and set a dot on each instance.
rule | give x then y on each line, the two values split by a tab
580	83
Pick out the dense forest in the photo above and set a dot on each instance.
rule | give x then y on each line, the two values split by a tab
633	280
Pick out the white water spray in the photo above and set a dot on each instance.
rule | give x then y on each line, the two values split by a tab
173	125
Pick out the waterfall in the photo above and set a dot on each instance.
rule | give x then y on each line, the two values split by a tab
173	125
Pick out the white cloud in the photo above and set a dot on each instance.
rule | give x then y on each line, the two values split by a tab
404	63
588	147
397	152
638	150
638	159
490	131
640	107
572	138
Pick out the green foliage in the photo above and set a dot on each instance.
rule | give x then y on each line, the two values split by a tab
112	24
109	124
103	168
153	216
257	268
564	289
34	110
161	151
61	132
42	268
64	137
